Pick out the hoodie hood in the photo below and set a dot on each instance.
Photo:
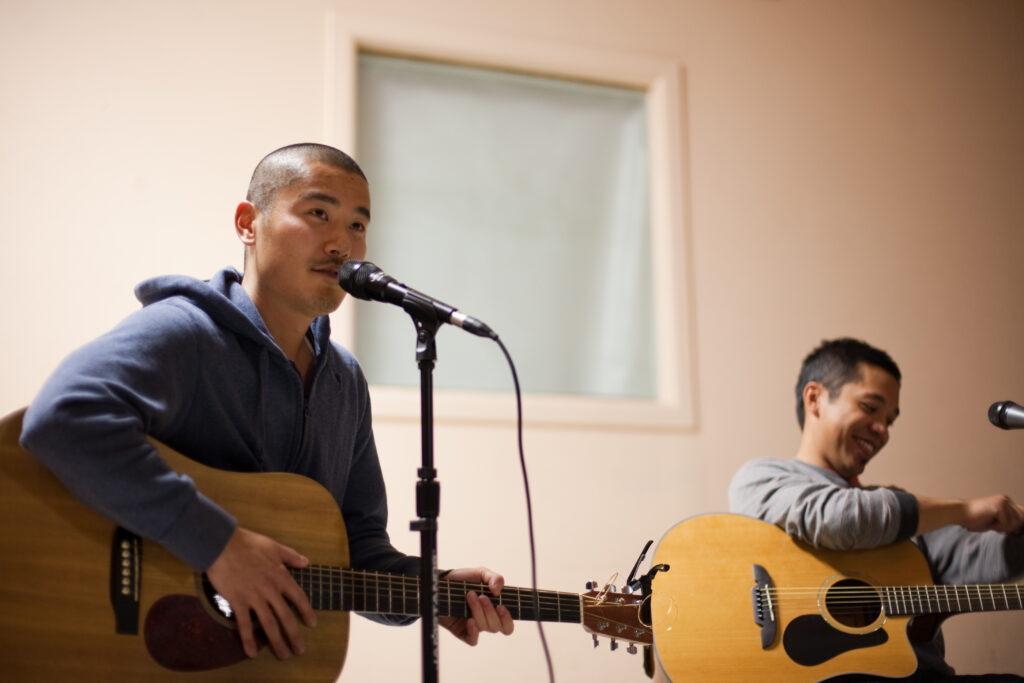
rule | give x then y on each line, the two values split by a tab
224	299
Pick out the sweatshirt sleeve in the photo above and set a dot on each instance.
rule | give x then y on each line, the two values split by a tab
90	421
819	508
959	556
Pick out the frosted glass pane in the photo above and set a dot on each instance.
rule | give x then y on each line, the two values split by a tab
522	201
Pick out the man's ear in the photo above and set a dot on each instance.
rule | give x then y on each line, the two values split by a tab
245	220
814	395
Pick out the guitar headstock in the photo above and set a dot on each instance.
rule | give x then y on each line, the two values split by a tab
617	616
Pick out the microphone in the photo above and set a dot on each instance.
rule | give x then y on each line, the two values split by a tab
1006	415
364	280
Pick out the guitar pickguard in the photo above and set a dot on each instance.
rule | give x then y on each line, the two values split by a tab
181	635
809	640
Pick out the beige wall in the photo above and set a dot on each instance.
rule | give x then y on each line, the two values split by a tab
854	168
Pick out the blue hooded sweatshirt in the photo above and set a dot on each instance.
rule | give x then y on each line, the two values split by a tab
197	369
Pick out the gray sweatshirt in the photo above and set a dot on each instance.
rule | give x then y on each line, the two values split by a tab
824	510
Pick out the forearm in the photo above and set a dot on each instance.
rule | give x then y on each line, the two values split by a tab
992	513
89	423
935	513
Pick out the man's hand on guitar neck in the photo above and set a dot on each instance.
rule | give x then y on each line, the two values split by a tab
485	616
251	574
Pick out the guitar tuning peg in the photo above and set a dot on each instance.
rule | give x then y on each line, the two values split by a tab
631	649
591	585
615	645
611	588
595	641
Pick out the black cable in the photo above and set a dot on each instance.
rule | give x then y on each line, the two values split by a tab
529	508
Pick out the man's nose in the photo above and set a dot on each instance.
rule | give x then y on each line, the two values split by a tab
338	245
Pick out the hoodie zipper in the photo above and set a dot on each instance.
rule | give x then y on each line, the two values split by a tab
306	412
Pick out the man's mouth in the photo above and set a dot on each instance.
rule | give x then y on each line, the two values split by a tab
869	447
329	270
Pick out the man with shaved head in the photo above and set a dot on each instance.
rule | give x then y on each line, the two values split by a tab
239	372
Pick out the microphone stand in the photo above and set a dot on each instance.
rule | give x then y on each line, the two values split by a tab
428	490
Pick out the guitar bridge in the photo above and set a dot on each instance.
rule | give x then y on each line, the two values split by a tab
125	580
764	609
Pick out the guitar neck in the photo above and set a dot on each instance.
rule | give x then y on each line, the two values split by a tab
939	599
336	588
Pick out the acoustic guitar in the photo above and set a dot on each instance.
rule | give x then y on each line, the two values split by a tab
743	601
82	599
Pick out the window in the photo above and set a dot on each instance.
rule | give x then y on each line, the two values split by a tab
522	200
573	251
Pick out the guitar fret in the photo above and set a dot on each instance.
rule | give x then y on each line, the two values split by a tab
342	589
934	599
462	606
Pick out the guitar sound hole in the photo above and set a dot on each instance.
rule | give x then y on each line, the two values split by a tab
217	600
853	603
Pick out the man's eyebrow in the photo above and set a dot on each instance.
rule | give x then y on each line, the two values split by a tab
333	201
321	197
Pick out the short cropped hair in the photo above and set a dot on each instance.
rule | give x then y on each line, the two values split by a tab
284	166
835	363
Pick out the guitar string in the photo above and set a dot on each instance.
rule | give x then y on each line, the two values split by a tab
551	600
998	590
402	581
409	587
920	587
984	596
342	583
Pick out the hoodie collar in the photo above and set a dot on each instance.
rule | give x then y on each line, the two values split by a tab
224	299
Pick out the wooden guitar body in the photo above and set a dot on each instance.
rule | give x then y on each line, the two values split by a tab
703	609
55	560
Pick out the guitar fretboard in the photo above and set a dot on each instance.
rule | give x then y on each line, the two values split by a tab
336	588
911	600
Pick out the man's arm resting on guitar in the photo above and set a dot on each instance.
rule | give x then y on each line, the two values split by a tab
992	513
251	574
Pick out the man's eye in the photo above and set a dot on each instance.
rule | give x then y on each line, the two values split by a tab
319	213
359	227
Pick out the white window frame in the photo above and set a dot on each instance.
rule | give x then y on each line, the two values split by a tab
674	406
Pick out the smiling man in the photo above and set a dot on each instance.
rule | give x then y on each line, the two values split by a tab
847	399
239	372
